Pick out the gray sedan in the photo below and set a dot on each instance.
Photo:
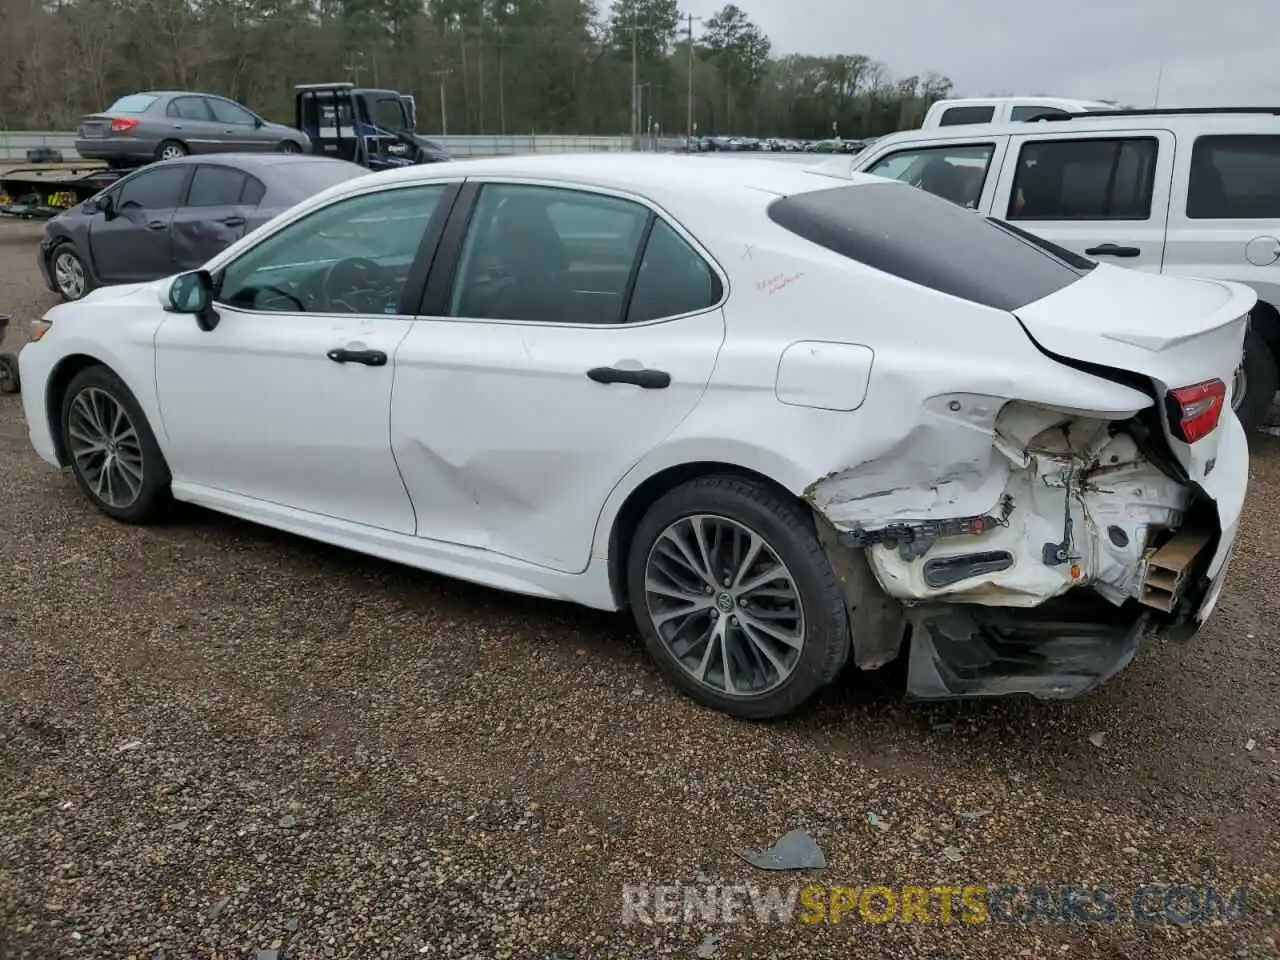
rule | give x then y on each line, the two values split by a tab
175	215
163	125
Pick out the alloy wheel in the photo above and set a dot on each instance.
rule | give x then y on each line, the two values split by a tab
724	605
68	274
105	446
1239	387
172	152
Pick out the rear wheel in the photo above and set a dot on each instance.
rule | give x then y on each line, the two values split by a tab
9	381
171	150
1254	386
735	598
70	275
114	455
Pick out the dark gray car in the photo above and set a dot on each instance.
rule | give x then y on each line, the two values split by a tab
175	215
165	124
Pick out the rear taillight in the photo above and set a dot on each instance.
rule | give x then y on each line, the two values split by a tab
123	124
1194	411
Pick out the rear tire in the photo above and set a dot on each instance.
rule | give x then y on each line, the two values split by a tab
713	630
113	453
9	381
1260	381
171	150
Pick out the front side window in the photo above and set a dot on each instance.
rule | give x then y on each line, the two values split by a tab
1235	177
224	111
351	257
547	254
1111	179
955	116
955	173
159	189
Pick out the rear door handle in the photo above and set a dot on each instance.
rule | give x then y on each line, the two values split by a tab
156	225
370	358
1111	250
648	379
233	221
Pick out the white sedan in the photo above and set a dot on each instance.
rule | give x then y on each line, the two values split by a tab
791	424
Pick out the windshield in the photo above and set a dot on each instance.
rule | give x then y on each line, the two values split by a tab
389	114
134	103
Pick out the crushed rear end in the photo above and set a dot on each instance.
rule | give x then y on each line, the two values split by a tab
1023	540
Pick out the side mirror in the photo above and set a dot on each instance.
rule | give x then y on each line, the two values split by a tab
104	205
193	293
259	122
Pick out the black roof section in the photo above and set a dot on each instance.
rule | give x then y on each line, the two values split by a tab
1154	112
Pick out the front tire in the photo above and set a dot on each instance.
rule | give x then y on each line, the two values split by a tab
1255	385
288	146
70	275
113	453
735	598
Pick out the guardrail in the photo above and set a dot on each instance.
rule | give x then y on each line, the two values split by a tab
14	145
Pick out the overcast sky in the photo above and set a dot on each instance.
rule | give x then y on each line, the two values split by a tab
1215	52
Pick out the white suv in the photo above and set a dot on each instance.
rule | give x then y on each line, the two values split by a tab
1186	192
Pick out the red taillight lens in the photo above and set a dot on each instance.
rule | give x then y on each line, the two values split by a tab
1194	411
123	124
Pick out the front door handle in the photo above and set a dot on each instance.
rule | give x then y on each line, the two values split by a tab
370	358
157	225
648	379
232	221
1111	250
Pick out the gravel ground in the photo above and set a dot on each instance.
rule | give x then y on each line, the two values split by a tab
219	741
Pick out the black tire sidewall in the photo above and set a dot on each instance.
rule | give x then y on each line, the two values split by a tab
154	501
1262	381
789	532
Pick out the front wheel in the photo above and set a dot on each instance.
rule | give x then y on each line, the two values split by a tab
114	455
70	275
735	598
1254	386
288	146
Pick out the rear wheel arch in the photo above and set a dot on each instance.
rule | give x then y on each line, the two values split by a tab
638	502
1265	319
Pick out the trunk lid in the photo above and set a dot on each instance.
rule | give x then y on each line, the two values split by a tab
95	126
1173	332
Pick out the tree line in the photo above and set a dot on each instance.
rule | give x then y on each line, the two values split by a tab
475	66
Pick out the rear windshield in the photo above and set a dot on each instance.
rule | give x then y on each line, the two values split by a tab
926	240
133	103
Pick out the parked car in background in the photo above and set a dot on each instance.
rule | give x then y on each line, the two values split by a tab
1008	459
1186	192
174	215
164	125
948	113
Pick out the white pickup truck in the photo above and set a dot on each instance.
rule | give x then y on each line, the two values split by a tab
1185	192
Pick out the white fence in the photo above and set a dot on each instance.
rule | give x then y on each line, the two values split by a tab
14	146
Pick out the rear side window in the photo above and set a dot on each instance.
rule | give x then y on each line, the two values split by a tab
673	278
1234	178
216	187
188	108
133	103
1084	180
956	116
927	241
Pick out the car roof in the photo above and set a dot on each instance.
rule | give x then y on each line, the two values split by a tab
635	172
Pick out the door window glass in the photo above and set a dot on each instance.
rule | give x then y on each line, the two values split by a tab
956	173
188	108
1111	179
547	254
673	278
215	187
158	189
224	111
1235	178
351	257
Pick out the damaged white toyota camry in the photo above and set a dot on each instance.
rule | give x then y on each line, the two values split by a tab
792	425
